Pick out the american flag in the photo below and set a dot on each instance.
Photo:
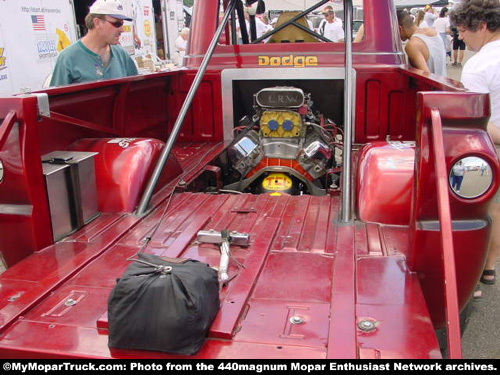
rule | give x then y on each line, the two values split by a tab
38	23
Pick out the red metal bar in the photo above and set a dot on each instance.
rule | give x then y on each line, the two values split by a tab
450	281
85	124
6	126
342	333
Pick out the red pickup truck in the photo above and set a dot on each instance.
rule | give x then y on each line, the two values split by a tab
330	163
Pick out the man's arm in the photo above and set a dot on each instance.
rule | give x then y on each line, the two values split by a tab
494	132
477	82
415	51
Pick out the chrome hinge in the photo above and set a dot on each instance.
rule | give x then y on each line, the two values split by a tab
43	104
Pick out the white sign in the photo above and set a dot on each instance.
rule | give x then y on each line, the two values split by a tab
32	33
139	37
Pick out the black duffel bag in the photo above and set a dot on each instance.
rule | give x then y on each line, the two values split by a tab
163	306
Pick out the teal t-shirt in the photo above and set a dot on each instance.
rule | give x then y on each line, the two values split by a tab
77	64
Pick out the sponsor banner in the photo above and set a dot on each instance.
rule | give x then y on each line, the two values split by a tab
3	65
139	37
32	33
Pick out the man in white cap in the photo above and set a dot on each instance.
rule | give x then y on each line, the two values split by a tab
97	55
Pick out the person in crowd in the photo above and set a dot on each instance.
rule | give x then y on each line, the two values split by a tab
458	47
424	48
360	34
265	20
135	33
181	46
458	172
182	40
478	24
331	27
309	23
430	15
265	27
442	26
262	24
97	55
159	35
483	170
419	19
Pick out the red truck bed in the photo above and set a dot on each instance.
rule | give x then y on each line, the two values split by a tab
299	264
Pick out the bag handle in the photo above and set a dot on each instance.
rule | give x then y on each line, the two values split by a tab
158	267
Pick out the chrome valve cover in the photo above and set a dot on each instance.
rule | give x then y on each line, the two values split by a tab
247	152
315	155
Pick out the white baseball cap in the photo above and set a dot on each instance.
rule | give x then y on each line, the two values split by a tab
113	8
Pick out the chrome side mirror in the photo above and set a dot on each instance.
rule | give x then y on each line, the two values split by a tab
470	177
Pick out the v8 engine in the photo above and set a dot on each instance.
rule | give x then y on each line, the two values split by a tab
286	147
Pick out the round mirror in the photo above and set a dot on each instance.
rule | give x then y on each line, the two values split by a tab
470	177
1	171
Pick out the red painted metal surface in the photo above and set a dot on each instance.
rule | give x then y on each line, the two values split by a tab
122	167
388	306
380	47
384	182
24	211
450	279
463	135
342	332
384	268
288	272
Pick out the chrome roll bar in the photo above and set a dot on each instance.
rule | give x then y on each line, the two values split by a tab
346	207
146	197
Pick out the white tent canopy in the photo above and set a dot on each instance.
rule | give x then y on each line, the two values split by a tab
337	4
305	4
414	3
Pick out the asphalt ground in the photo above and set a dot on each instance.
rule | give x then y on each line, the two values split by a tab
481	339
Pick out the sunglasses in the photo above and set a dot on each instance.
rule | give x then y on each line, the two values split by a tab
116	24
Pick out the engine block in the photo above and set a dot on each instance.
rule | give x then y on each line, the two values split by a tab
288	134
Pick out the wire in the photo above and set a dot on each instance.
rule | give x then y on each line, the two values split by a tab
230	191
324	131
